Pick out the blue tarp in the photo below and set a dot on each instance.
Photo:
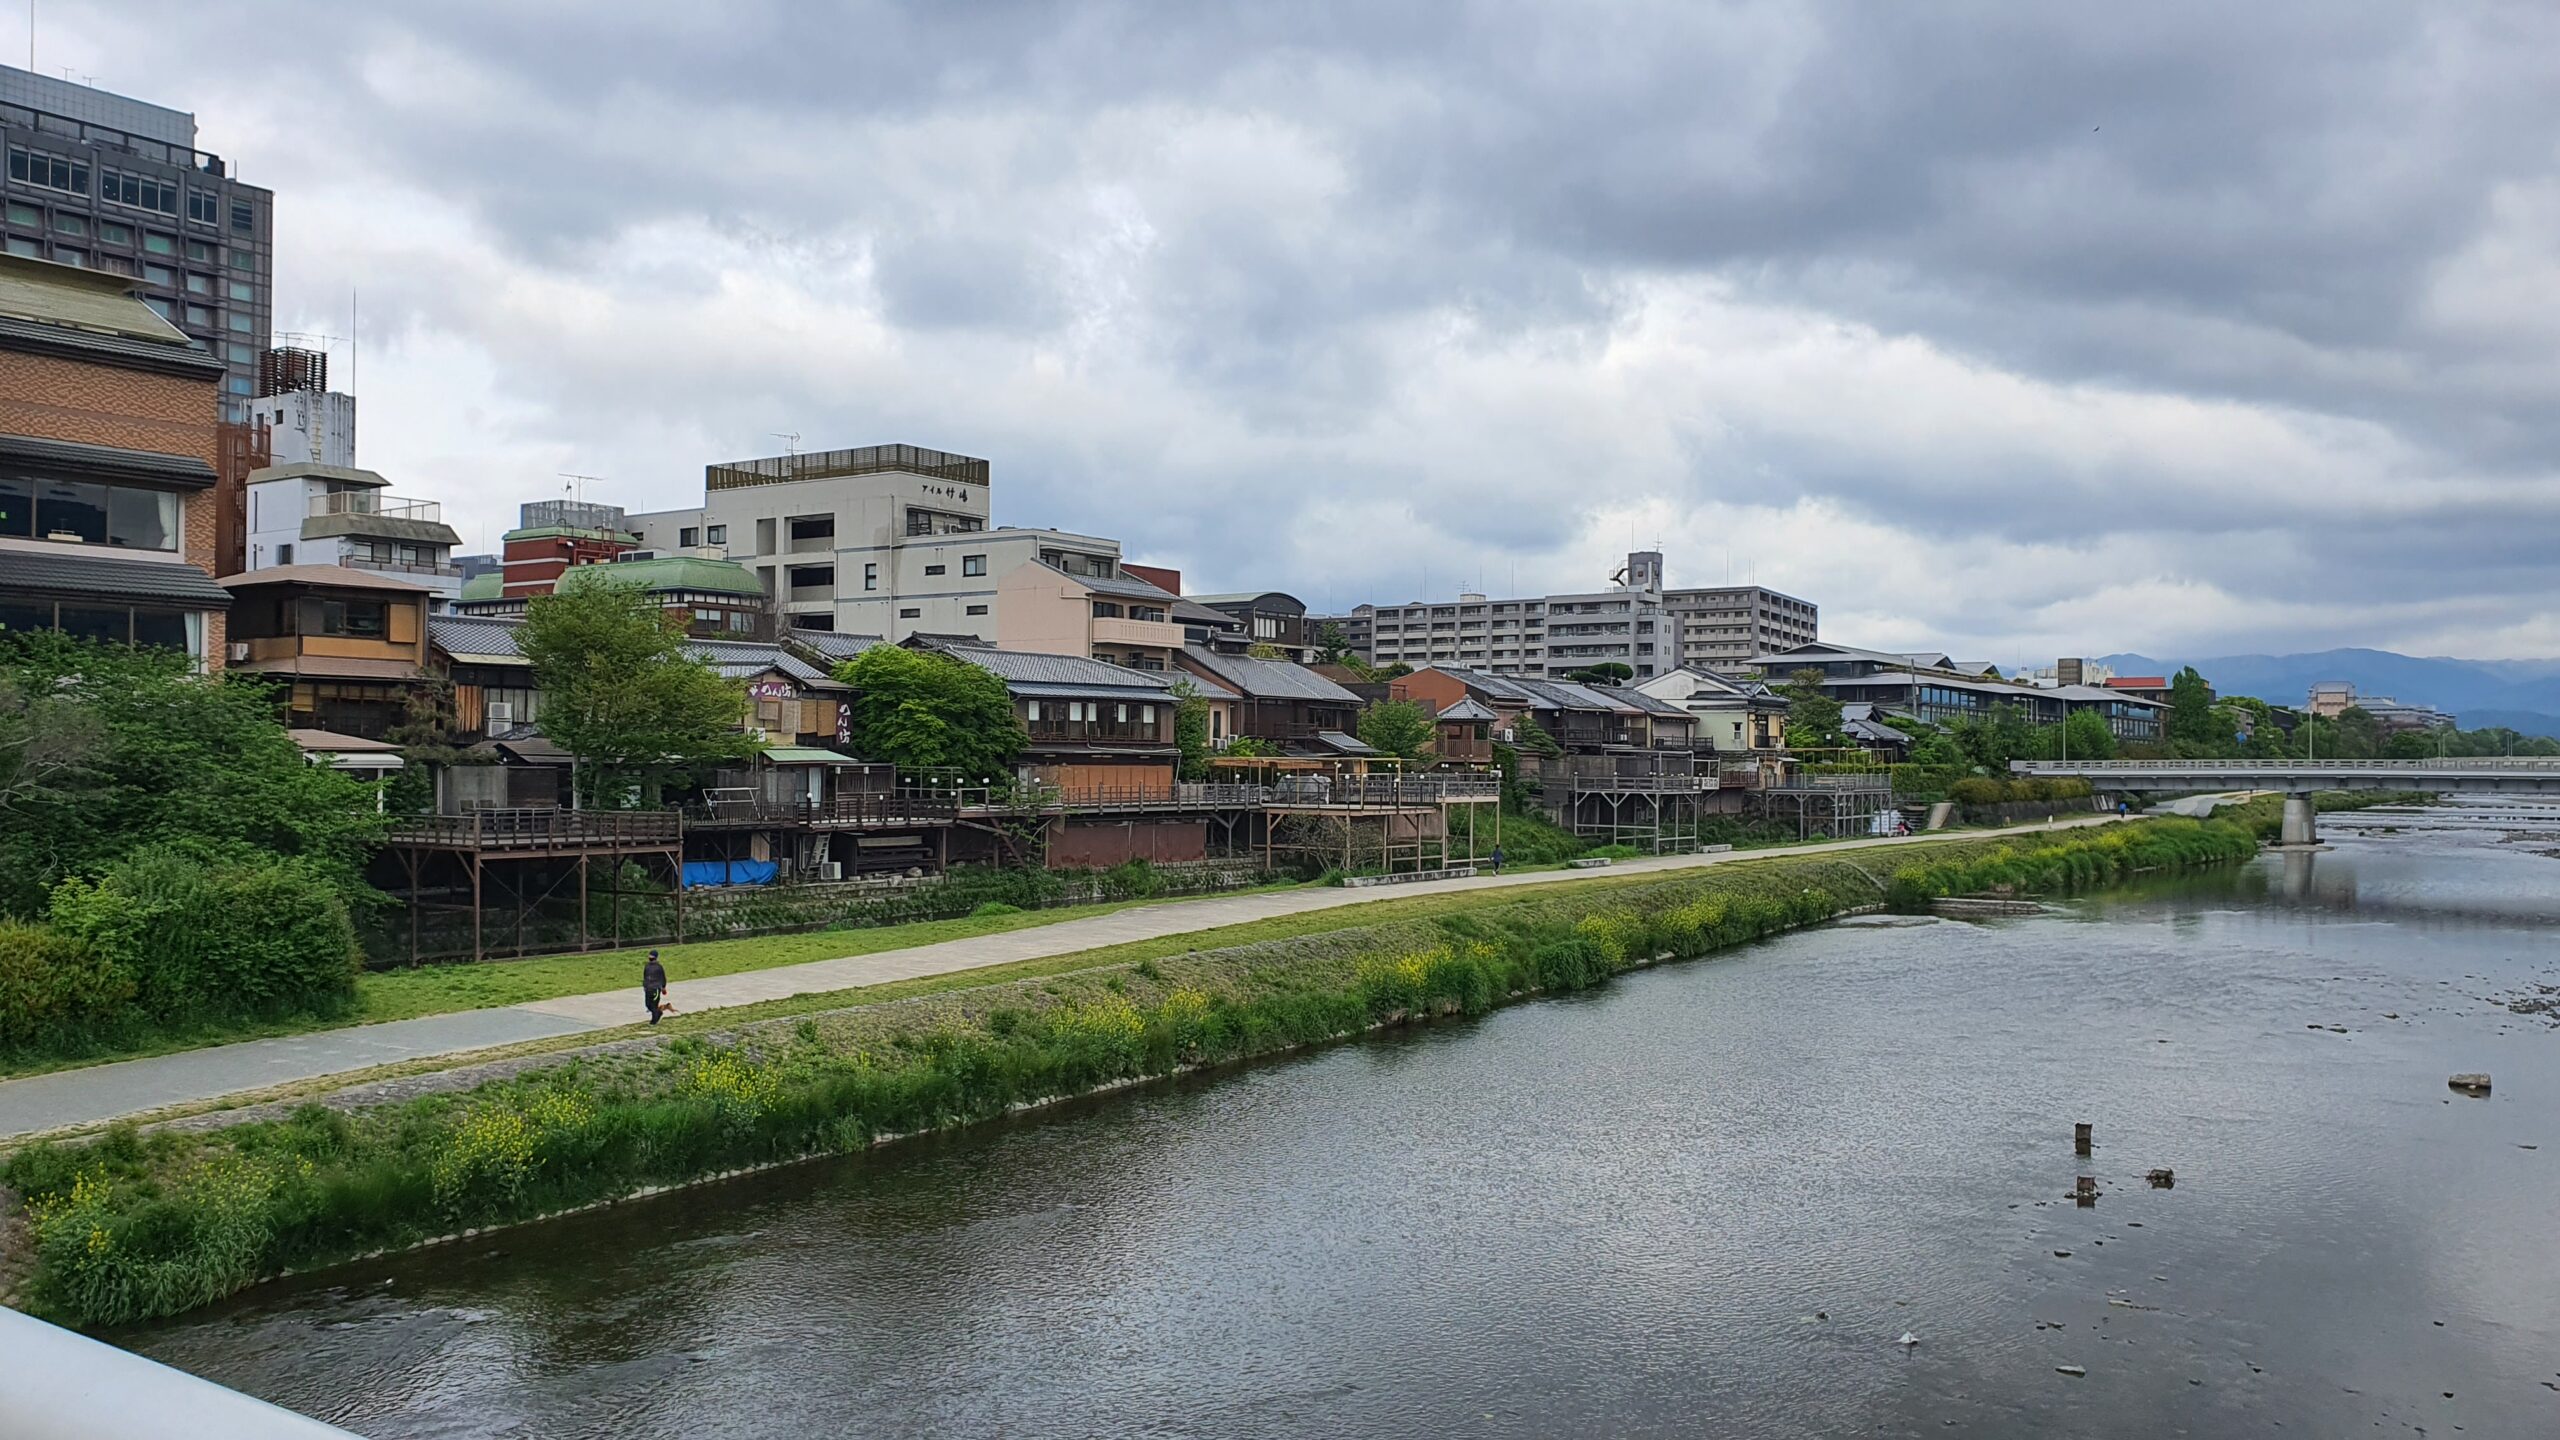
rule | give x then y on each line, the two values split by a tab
701	873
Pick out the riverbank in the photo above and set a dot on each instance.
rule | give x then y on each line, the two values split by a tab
133	1225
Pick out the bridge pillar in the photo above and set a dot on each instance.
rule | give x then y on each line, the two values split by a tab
2301	822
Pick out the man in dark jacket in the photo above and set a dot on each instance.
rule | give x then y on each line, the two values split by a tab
653	988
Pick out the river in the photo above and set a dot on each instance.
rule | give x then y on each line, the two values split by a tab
1708	1199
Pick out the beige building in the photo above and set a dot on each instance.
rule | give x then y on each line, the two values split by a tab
1114	618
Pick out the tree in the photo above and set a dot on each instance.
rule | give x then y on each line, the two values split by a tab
1264	650
1531	736
1813	715
2086	736
1607	672
2191	719
921	711
1396	727
622	694
2359	735
1991	741
1333	646
106	749
1191	730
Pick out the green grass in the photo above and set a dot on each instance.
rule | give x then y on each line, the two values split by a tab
407	994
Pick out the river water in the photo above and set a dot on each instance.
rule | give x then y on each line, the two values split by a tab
1707	1200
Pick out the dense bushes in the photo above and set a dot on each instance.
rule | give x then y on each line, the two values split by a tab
1983	790
52	985
2073	863
133	1227
162	942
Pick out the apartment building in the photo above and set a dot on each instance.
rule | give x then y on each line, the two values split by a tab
1547	635
1120	620
107	183
312	514
107	464
1719	628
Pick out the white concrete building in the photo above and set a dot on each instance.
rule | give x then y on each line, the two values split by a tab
312	514
308	427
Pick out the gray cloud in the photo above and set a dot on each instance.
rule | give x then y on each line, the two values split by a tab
2260	299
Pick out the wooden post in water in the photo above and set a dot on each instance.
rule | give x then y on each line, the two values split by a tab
2080	1136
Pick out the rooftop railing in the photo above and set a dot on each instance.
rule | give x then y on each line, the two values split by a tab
374	502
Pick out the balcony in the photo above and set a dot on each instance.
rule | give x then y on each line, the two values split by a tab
1153	634
357	560
375	503
1096	732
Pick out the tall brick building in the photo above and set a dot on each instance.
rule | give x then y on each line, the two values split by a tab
108	452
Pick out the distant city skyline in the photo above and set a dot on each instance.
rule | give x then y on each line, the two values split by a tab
2024	355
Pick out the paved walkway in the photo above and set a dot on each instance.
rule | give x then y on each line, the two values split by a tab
130	1087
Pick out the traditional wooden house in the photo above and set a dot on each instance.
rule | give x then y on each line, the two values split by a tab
349	647
1283	705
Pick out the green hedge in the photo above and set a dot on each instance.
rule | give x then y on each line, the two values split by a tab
132	1227
1983	790
53	988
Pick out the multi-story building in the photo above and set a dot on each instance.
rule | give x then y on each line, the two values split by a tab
885	540
348	647
550	538
108	183
107	464
307	422
1719	628
315	514
1548	635
1931	687
1120	620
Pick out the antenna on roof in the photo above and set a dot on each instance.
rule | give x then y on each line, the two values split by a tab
577	486
790	440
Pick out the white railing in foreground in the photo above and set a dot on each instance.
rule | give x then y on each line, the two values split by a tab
2531	764
56	1385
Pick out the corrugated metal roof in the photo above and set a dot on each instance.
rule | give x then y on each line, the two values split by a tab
1268	679
1343	744
80	573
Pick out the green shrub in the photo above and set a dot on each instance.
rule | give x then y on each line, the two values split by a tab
1978	790
53	986
992	908
231	940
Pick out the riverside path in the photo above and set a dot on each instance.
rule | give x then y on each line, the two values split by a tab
99	1093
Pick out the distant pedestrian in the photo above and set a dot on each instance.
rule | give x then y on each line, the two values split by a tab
1497	859
653	989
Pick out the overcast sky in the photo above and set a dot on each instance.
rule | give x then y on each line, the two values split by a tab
2016	330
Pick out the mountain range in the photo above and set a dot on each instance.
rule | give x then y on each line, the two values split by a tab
2522	695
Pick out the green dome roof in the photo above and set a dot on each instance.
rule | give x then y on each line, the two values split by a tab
669	573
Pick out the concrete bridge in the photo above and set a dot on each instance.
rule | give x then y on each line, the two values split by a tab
2297	779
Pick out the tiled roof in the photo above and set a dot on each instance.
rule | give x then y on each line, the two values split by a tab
1126	587
79	573
1062	672
91	314
108	462
1468	708
338	576
473	636
738	659
1505	688
829	645
1268	679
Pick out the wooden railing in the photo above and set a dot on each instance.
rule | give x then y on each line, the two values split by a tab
541	828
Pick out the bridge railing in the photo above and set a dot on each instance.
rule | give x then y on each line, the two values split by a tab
2456	764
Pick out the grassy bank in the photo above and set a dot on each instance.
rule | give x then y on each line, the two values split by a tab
134	1226
382	995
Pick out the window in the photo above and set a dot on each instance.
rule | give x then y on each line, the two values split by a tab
241	324
199	284
689	536
243	219
870	577
20	245
741	620
241	354
717	534
973	564
910	614
160	275
200	315
933	569
243	290
243	261
70	224
49	172
142	192
24	214
977	609
284	554
1105	610
159	244
165	309
118	263
68	256
812	527
239	385
204	207
71	510
201	253
362	619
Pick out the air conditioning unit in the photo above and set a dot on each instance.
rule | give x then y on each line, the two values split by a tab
501	712
831	870
238	650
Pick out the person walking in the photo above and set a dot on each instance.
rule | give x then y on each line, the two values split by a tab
653	989
1497	859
